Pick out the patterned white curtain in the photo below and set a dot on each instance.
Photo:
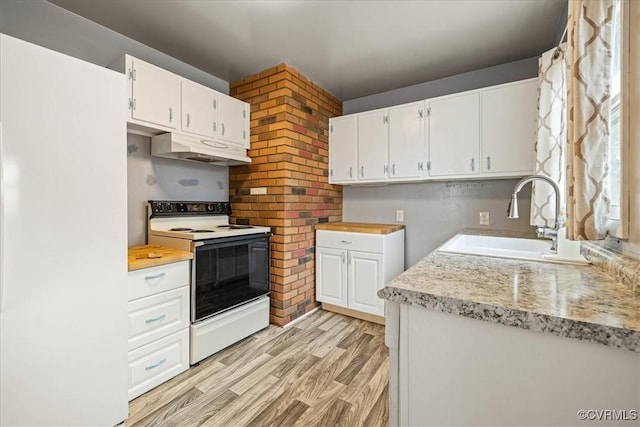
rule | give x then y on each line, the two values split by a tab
588	102
551	135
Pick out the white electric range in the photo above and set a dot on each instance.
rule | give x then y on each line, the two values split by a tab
230	280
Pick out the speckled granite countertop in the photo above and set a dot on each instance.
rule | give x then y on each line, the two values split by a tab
579	302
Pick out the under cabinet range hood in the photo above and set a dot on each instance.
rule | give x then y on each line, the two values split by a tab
182	147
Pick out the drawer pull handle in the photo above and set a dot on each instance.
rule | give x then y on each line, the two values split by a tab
155	276
155	319
155	365
346	242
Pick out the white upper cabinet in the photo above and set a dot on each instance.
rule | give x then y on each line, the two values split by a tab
199	109
233	118
484	133
454	135
407	143
160	101
509	128
343	146
155	94
373	143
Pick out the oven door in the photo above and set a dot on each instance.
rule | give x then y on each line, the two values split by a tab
228	272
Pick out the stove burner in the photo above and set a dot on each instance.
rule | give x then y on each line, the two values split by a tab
190	230
235	226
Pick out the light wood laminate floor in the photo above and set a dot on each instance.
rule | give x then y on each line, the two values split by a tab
326	370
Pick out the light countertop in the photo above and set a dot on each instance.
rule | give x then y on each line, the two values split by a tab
579	302
150	255
360	227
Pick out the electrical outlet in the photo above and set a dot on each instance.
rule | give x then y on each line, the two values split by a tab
399	216
484	218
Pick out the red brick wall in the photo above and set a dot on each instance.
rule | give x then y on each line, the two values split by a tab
290	158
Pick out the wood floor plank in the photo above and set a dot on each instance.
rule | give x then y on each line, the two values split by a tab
333	337
364	398
379	414
291	414
280	393
232	374
379	362
168	409
296	389
357	362
244	408
326	370
334	320
201	413
335	414
172	389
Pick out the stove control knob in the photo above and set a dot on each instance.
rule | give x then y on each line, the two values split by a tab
168	207
210	207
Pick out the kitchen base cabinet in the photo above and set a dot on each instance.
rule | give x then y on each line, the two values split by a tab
351	266
159	310
153	364
447	369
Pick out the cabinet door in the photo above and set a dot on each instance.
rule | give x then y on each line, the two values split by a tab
155	95
454	135
233	116
407	141
331	276
373	145
199	109
366	277
343	146
509	127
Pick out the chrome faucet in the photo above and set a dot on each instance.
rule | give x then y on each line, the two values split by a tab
542	232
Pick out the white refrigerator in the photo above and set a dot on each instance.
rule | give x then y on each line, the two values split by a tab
63	247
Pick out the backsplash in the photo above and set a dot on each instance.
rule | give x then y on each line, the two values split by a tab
155	178
435	211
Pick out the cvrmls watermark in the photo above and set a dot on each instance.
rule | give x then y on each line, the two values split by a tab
608	414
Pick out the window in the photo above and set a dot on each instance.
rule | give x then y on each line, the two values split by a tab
618	121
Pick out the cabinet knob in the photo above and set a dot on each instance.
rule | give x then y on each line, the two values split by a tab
473	164
188	119
346	242
170	114
488	163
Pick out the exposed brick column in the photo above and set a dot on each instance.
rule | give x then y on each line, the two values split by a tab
290	158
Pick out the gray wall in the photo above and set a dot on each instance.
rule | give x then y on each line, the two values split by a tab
53	27
509	72
155	178
435	211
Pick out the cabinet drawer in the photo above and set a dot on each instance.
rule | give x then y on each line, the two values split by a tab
153	280
157	316
157	362
350	241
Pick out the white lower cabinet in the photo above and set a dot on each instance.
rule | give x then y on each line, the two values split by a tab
155	363
158	325
351	267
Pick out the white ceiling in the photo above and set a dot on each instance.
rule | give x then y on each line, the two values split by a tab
350	48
